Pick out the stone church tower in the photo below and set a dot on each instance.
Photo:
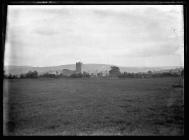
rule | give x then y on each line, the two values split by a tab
78	67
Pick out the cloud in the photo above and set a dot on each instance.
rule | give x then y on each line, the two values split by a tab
46	32
93	34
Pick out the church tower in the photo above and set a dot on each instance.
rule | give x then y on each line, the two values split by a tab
78	67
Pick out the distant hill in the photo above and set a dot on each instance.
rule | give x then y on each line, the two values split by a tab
91	68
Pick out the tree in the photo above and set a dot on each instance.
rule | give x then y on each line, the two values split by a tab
99	74
22	76
86	75
149	72
30	74
115	71
49	75
76	75
11	76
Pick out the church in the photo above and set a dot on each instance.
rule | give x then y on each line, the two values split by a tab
67	72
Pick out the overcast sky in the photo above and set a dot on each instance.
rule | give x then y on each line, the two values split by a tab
122	35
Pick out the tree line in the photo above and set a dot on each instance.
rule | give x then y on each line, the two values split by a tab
113	72
34	74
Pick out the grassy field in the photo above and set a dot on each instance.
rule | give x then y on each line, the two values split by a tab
93	107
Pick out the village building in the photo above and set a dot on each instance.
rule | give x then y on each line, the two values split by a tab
67	72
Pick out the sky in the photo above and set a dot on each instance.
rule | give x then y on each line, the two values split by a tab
123	35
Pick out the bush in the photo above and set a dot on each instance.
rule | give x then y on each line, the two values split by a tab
80	75
30	74
76	75
49	75
10	76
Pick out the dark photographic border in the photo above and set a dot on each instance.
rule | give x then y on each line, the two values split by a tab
4	7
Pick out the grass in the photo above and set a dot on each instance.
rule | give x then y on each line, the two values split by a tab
93	107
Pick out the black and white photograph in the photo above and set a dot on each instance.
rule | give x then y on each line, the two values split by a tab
89	70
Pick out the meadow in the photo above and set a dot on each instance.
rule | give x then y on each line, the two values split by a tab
150	106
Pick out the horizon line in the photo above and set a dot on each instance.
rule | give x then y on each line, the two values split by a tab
90	64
